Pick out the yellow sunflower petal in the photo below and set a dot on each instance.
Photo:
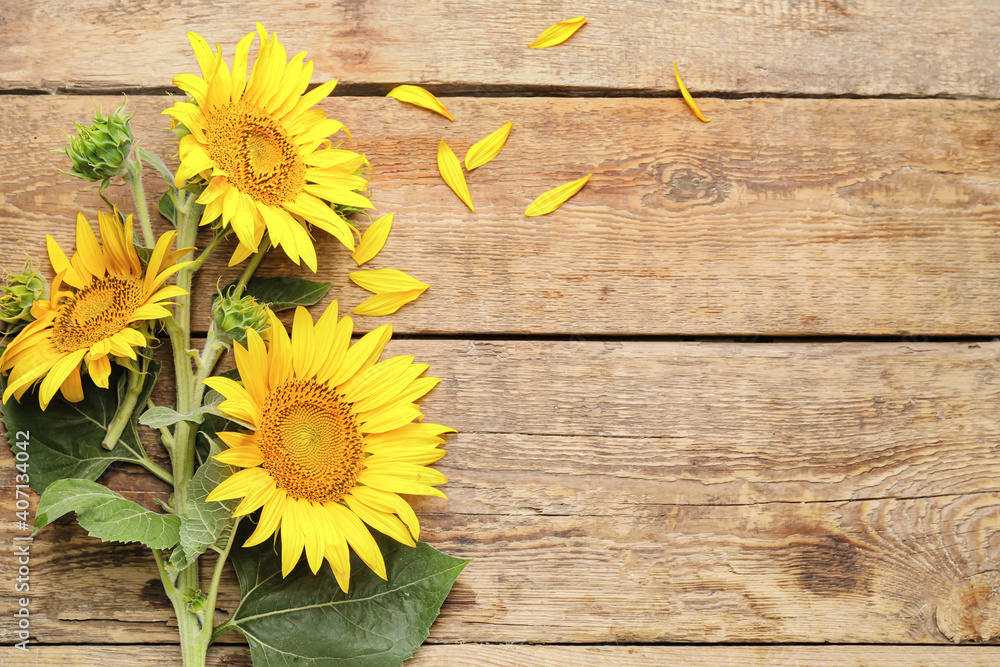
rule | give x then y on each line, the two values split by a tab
241	457
380	521
382	281
239	484
487	148
420	97
100	370
451	172
387	501
358	537
373	239
270	518
72	386
257	498
424	432
687	96
554	198
386	304
303	342
57	375
558	33
381	377
389	387
389	417
293	538
234	439
397	485
315	525
362	354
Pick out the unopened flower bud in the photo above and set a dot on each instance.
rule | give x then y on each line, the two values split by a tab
100	150
233	316
18	295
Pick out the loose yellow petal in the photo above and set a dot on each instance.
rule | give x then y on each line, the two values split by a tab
386	304
687	96
383	281
451	172
420	97
487	148
372	240
554	198
558	33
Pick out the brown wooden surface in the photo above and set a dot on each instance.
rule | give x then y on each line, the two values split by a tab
472	655
629	499
781	217
820	47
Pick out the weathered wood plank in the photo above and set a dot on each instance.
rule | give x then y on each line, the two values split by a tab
473	655
783	217
917	48
880	571
650	492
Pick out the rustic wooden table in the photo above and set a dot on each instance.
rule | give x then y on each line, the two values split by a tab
736	403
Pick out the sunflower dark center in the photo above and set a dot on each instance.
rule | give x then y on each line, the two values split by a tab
97	313
310	441
255	151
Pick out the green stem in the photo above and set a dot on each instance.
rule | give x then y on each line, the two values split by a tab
251	267
124	414
213	591
133	176
189	623
205	253
152	467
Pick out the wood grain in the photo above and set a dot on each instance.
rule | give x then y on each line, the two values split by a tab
835	47
781	217
473	655
664	492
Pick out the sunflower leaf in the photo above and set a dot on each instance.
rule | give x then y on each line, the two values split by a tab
167	208
65	440
105	514
202	523
162	416
378	624
284	292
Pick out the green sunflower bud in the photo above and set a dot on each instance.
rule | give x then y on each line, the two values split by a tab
18	295
100	150
233	316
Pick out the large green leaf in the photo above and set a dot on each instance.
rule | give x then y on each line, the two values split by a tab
306	620
203	523
106	515
65	439
284	292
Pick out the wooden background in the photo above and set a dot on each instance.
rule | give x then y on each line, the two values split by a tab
736	403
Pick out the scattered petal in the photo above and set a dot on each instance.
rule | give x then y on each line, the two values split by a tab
383	281
487	148
558	33
386	304
687	96
554	198
420	97
451	172
372	240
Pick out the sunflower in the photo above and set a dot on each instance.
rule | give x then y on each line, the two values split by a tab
334	442
100	306
263	150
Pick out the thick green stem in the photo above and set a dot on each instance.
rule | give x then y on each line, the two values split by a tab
213	590
124	414
133	176
194	642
